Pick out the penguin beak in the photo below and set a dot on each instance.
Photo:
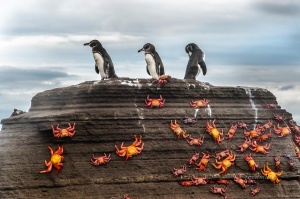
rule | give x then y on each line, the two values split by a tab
142	49
86	44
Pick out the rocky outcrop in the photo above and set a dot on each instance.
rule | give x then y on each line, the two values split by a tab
110	112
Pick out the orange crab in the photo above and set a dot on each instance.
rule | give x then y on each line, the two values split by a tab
231	131
244	146
266	126
55	160
199	103
283	131
158	103
251	162
195	141
100	160
214	132
297	150
264	137
163	79
260	148
65	132
177	130
271	175
294	126
226	163
252	133
240	181
131	150
203	162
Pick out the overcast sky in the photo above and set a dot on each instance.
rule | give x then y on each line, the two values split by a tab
247	43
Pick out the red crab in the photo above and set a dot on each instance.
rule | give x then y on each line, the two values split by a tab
163	79
186	183
252	133
56	159
179	172
245	145
199	181
195	141
199	103
219	190
222	181
251	162
270	106
157	102
277	163
240	181
283	131
177	130
231	131
266	126
214	132
255	191
264	137
222	154
194	158
100	160
131	150
297	139
203	162
259	148
65	132
297	150
242	125
294	126
226	163
278	117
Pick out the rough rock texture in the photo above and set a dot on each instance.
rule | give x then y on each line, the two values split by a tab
110	112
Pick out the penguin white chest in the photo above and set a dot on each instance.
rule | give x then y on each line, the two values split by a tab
100	64
151	66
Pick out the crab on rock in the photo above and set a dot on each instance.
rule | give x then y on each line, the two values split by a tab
100	160
189	120
260	148
266	126
156	102
240	181
219	190
252	133
222	154
278	117
255	191
245	145
195	141
56	159
226	163
131	150
203	162
271	175
231	131
64	132
294	127
251	162
199	103
199	181
283	131
163	79
214	132
179	172
264	137
177	130
194	158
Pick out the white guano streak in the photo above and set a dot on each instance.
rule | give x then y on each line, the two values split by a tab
248	92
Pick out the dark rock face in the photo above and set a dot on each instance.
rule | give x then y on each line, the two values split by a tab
110	112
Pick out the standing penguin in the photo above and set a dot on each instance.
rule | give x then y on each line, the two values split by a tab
196	62
155	67
103	62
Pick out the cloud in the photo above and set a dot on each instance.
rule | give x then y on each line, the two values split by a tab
278	7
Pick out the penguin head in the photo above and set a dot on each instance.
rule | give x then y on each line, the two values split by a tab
93	44
190	48
148	48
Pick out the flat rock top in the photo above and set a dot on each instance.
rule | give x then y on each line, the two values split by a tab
110	112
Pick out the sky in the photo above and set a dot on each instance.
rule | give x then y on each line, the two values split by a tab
253	43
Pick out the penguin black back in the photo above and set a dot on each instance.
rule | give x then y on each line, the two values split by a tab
107	66
195	62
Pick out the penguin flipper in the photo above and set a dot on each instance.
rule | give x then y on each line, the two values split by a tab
203	67
147	70
96	69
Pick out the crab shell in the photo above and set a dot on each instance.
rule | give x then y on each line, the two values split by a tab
283	131
157	102
100	160
177	130
251	162
214	132
244	146
271	175
181	171
195	141
55	160
255	191
259	148
240	181
226	163
64	132
131	150
199	181
203	162
199	103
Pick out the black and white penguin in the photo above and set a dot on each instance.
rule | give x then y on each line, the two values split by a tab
155	67
196	62
103	62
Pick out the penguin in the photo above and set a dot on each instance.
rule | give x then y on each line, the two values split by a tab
196	62
155	67
103	62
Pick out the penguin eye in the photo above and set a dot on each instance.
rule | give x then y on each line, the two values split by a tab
146	47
